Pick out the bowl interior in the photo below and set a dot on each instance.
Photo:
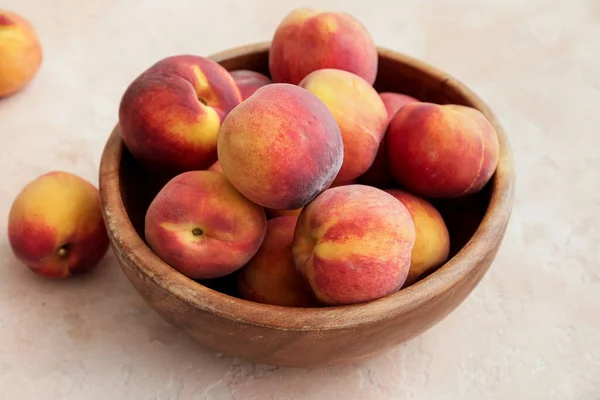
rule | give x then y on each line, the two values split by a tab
463	216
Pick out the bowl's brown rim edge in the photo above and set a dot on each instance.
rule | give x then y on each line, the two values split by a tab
129	245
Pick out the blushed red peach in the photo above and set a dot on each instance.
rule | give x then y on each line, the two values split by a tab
308	40
20	53
55	225
358	111
280	147
202	227
271	277
249	81
432	240
441	151
379	174
171	113
353	243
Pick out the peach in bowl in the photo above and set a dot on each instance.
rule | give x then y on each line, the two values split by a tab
363	318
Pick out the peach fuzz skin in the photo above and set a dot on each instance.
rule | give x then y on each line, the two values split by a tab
249	81
441	151
308	40
353	243
20	53
280	147
432	240
359	112
379	174
271	277
171	113
55	225
202	227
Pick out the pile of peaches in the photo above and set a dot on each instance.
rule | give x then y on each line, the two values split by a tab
307	186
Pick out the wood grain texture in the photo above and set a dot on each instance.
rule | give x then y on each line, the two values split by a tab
317	336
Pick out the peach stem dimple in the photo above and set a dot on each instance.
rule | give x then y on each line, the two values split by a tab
201	100
63	250
197	231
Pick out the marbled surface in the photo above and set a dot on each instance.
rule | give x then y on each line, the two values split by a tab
531	330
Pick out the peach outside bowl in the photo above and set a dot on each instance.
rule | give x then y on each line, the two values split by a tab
210	312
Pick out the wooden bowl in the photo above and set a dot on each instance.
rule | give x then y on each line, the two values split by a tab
211	314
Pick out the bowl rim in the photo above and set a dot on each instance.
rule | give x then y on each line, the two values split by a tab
128	245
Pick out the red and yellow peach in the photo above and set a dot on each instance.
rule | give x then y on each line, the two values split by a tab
202	226
170	114
441	151
20	53
270	276
308	40
280	147
359	113
379	174
55	225
432	240
353	244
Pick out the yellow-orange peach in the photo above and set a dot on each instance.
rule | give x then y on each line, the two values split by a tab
270	276
20	53
441	151
170	114
308	40
379	174
55	225
202	227
353	244
280	147
249	81
359	112
432	240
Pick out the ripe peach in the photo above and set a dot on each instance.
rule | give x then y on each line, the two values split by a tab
359	112
170	114
249	81
20	53
353	244
441	151
55	225
432	240
308	40
216	167
280	147
270	276
379	174
202	227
